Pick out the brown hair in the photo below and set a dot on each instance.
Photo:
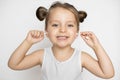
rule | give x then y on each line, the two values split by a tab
43	13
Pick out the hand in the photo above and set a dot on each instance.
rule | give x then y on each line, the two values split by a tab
34	36
90	38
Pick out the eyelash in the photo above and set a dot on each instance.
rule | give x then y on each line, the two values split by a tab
70	25
55	25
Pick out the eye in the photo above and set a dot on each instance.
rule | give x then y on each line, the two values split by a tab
70	25
54	25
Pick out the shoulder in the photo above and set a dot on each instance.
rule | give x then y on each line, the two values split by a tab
84	54
85	57
39	54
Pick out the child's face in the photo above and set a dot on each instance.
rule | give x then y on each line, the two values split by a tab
62	27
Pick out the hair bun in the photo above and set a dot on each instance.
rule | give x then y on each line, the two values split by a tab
82	15
41	13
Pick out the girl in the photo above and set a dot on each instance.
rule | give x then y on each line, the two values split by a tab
61	61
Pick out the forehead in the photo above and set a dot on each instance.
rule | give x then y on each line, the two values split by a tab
60	13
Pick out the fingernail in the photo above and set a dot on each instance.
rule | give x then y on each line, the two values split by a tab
87	37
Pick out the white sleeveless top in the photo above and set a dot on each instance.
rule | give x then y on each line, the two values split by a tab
52	69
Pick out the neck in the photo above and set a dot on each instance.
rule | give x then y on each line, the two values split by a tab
62	50
62	54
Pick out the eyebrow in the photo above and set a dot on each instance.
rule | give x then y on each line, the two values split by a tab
51	21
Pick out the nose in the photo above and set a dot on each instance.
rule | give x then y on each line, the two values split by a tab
63	29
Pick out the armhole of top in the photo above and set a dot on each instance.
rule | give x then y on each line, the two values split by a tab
80	61
43	61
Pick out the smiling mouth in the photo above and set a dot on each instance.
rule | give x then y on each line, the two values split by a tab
62	37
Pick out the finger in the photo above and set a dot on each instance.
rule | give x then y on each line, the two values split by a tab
86	33
38	34
35	33
92	35
41	34
32	33
85	38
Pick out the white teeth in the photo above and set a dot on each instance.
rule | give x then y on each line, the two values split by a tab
62	37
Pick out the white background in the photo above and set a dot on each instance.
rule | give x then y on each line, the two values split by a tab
17	17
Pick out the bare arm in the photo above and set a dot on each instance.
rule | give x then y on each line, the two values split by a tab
103	66
19	60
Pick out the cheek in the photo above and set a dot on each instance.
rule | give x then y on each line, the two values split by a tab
74	34
51	33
